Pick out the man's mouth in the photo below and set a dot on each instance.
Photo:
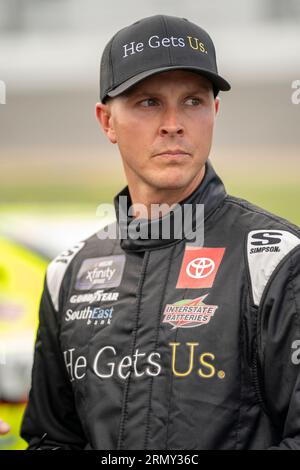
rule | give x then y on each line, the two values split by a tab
178	152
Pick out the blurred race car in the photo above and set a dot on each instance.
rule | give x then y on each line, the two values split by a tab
21	278
26	246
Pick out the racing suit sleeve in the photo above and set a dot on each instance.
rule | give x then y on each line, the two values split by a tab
51	408
279	350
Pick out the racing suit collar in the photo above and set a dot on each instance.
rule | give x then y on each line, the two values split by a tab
210	193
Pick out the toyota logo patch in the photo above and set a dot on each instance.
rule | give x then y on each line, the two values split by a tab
199	267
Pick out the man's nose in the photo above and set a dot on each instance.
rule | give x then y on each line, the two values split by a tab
171	123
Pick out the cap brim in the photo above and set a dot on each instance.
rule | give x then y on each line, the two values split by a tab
219	82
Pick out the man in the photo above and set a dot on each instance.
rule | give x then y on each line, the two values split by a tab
187	339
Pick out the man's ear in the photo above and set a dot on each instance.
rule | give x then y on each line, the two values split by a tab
217	104
104	117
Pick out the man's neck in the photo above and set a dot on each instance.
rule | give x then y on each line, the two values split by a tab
146	199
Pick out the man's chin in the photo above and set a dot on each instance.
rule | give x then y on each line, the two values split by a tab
175	180
169	184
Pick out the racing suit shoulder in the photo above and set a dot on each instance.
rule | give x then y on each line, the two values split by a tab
257	214
96	245
268	241
56	271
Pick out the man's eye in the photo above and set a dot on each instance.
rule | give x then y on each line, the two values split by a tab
193	101
149	102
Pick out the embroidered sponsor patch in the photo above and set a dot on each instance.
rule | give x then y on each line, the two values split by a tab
96	315
188	313
265	250
96	273
94	297
199	267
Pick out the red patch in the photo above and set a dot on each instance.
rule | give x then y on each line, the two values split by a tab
199	267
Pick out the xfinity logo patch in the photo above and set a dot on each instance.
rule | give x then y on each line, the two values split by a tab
102	272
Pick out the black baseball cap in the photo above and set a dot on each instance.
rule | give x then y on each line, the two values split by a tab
157	44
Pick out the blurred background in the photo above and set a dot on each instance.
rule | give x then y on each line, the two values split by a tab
56	166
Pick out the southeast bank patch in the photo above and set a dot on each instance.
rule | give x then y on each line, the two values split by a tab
95	315
188	313
103	272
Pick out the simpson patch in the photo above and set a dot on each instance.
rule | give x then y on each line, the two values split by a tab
265	250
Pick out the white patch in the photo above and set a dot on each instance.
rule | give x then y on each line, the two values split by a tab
56	271
265	250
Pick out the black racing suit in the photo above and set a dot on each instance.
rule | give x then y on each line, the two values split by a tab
161	344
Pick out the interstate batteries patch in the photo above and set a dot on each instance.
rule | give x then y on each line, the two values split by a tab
188	313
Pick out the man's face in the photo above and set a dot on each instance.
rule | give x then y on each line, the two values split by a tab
163	127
